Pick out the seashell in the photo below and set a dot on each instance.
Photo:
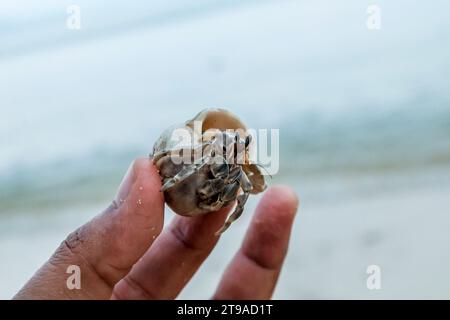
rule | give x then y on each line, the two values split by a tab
205	164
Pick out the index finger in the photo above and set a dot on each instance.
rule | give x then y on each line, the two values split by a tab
173	259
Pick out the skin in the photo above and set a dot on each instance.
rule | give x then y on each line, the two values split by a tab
124	253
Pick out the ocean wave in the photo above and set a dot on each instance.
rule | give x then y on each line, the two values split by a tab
353	145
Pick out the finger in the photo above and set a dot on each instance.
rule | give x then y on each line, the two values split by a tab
113	241
254	270
106	247
173	259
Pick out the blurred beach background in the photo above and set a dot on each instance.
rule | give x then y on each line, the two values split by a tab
364	119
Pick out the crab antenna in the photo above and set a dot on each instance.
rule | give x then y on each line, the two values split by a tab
259	165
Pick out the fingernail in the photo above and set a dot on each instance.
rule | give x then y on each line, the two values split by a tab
125	186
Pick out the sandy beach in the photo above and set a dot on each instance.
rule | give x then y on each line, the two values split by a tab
334	241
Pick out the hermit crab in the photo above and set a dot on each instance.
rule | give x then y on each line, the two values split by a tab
205	164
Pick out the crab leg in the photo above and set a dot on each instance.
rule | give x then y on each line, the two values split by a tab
182	175
246	186
189	170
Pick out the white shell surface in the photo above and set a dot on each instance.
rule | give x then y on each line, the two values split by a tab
206	119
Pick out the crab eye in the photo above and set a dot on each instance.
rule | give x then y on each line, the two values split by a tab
248	139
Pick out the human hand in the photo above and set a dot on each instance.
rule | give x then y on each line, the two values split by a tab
124	253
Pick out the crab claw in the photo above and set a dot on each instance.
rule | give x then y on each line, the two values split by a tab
167	185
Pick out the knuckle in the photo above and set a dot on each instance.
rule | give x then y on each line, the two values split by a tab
129	288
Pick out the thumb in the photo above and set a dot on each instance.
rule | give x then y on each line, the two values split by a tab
105	248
